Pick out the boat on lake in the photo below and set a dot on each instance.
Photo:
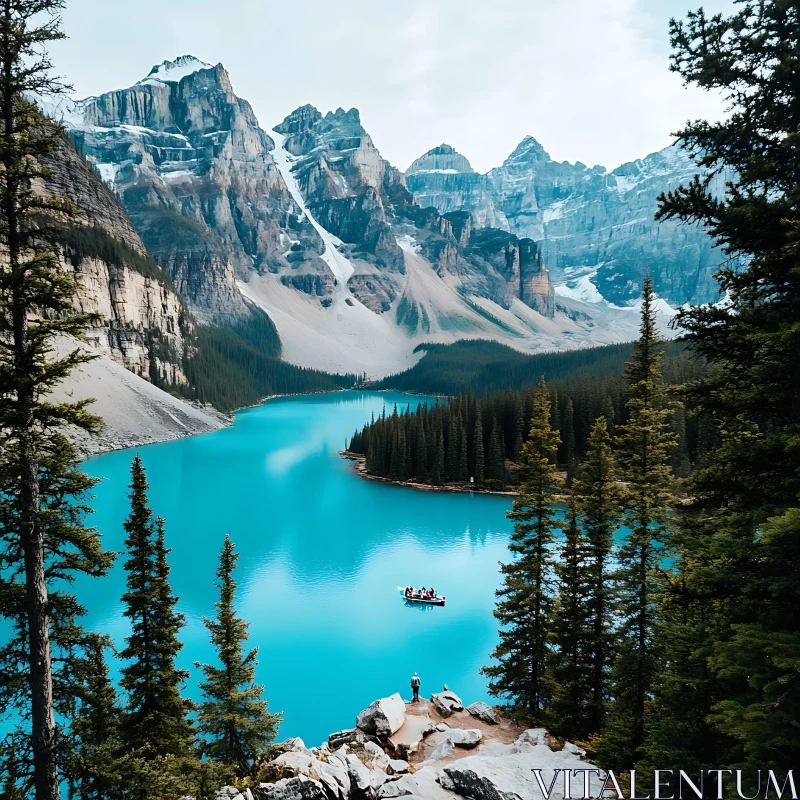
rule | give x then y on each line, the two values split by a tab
412	596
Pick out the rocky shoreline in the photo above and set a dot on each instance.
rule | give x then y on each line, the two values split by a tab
361	470
435	749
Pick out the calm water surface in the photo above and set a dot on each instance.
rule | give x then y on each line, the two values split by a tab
322	554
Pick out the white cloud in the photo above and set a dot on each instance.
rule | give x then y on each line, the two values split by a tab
588	79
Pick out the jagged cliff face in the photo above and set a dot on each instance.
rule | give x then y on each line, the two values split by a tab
141	322
194	170
360	198
444	179
587	221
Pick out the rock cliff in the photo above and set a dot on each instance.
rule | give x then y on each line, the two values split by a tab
140	320
587	221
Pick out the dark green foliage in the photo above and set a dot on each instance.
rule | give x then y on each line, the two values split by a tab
645	445
570	457
525	599
92	769
731	691
240	365
598	496
570	669
44	544
233	714
575	406
481	366
155	721
92	241
478	452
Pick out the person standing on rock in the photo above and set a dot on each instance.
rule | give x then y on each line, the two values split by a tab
415	687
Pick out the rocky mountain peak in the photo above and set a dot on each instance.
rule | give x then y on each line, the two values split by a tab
442	159
340	115
174	71
301	119
528	150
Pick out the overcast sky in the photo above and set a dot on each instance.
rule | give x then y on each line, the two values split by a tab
588	78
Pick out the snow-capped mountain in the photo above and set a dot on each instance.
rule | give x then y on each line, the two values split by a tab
587	221
314	225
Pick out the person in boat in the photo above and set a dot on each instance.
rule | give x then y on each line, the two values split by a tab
422	593
432	593
415	687
409	591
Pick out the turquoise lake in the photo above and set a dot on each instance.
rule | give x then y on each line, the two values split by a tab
322	554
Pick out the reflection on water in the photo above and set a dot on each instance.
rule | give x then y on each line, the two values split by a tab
322	555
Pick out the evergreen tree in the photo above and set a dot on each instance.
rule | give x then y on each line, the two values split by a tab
598	495
569	436
451	468
525	599
36	306
645	443
735	583
11	771
93	770
421	460
478	456
519	427
463	465
154	722
679	459
437	470
570	670
496	462
233	714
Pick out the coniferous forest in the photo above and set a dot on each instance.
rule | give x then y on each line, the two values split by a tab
405	445
649	606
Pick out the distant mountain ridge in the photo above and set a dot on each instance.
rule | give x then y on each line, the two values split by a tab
351	262
587	221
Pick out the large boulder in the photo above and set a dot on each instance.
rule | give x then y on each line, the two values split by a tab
359	774
298	788
467	739
446	702
483	712
383	717
228	793
444	742
403	787
375	756
333	773
347	736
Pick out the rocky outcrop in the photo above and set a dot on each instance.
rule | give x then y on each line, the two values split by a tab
583	218
457	763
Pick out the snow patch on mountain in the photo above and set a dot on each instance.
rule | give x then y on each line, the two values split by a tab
582	289
173	71
339	265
